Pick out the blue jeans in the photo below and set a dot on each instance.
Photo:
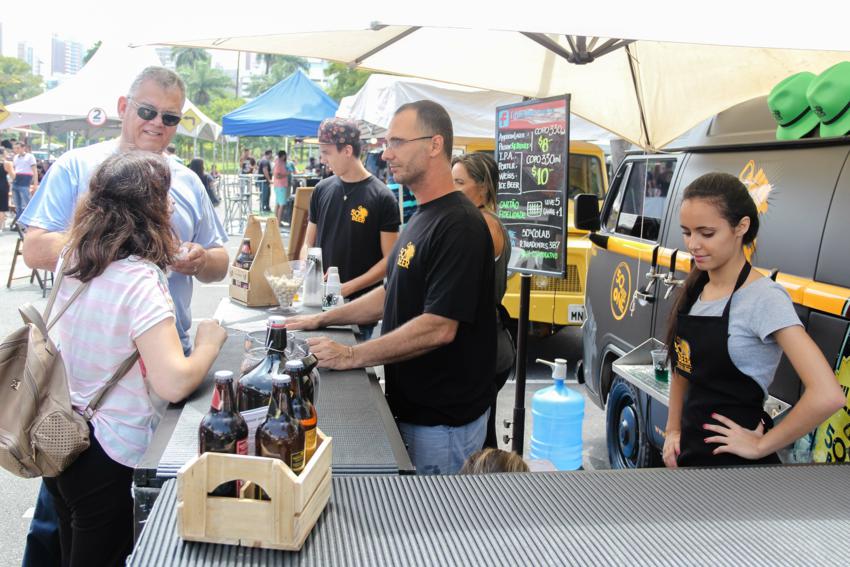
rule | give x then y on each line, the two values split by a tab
265	195
42	548
442	449
21	193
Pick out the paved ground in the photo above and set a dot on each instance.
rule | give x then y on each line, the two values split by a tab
17	496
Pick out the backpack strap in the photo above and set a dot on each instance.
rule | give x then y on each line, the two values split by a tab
96	400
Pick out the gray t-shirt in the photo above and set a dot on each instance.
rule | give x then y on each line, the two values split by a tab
758	310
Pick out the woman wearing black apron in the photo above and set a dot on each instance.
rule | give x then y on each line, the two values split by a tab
726	338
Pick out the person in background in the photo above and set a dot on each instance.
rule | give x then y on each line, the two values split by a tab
26	178
264	169
492	460
197	165
438	339
150	113
171	152
214	172
728	330
477	174
282	173
353	216
246	163
120	243
7	177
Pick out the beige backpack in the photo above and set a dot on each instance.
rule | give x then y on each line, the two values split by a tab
40	433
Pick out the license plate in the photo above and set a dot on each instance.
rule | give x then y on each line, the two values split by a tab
576	313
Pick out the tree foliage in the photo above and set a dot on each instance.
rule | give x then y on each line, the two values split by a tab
17	81
218	107
282	67
204	83
189	56
343	81
91	51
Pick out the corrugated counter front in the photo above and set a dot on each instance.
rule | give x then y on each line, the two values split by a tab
792	515
352	409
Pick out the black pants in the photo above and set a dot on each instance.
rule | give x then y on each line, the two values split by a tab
491	440
95	509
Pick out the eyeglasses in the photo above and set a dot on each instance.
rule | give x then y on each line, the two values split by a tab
148	113
396	143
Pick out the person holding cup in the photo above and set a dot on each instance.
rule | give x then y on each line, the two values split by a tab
728	330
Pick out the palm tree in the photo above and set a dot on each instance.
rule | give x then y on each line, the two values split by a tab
293	62
204	83
189	56
281	69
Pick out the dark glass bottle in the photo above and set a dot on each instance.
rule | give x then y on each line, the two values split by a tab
254	389
309	382
223	430
246	256
302	408
280	435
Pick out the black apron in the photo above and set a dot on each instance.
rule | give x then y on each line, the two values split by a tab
715	386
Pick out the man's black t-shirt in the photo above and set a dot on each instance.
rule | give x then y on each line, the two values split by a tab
443	264
265	169
349	219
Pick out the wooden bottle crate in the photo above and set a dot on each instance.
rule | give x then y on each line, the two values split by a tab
268	251
282	522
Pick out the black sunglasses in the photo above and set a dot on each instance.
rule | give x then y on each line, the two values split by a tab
148	113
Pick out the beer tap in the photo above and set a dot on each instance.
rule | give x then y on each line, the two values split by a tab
646	295
670	277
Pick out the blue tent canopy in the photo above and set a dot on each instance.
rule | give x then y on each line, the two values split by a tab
293	107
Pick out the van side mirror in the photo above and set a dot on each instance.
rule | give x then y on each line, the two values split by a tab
586	212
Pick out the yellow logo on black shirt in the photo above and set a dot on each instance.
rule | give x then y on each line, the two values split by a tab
359	214
405	255
683	355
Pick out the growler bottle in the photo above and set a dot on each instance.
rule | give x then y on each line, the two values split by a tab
280	435
223	430
303	409
254	389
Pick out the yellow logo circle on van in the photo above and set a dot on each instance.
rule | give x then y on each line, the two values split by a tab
621	289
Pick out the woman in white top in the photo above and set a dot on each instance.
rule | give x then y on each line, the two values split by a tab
120	243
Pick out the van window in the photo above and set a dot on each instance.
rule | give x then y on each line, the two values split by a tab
585	175
644	199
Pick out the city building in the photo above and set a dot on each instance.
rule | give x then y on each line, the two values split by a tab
67	56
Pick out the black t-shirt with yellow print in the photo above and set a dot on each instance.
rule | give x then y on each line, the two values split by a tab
443	264
349	219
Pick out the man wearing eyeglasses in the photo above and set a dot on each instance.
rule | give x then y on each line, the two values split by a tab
438	339
150	114
354	217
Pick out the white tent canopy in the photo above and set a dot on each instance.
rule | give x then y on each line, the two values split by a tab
667	70
107	76
473	111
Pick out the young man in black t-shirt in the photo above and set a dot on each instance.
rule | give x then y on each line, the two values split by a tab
438	340
354	218
265	171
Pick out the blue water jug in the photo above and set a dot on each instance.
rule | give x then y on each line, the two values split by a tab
557	413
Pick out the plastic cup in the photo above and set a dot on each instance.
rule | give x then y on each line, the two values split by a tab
659	363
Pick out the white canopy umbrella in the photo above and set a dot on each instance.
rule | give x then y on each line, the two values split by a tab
107	76
664	70
472	110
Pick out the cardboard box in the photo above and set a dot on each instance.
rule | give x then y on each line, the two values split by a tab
250	287
300	217
282	522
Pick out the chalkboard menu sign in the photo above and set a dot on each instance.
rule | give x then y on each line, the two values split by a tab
532	151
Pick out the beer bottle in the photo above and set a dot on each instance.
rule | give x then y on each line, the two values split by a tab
245	257
223	430
254	389
302	408
280	435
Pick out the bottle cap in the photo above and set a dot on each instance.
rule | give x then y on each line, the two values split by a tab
281	379
294	366
223	375
276	322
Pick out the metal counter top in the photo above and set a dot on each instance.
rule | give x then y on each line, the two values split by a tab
791	515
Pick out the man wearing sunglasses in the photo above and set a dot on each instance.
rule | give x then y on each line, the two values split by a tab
150	114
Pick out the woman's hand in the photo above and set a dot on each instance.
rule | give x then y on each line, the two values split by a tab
670	454
210	333
735	439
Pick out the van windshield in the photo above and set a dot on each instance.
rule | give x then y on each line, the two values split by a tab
585	175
